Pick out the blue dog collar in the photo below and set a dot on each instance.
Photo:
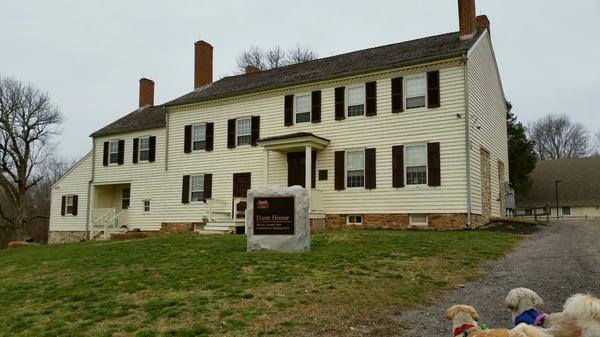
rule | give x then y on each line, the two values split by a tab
530	317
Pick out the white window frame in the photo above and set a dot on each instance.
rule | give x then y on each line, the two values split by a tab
140	149
69	199
405	86
309	95
192	187
349	220
146	204
194	126
347	98
346	168
110	152
406	166
237	131
411	222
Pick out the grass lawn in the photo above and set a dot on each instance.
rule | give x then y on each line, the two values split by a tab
188	285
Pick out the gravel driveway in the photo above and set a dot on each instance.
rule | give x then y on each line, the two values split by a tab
561	260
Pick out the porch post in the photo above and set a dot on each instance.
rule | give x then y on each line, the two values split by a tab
266	167
308	170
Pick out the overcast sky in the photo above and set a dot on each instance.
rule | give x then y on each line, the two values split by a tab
89	55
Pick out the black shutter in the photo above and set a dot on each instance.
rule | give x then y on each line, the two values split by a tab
63	205
397	95
371	98
136	144
187	139
433	89
340	103
340	157
152	149
75	204
398	166
313	173
185	190
105	155
231	133
316	106
433	164
210	136
207	186
255	134
121	152
370	169
288	110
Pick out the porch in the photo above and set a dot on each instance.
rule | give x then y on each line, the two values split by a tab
110	209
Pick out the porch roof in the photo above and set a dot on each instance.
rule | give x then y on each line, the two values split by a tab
294	141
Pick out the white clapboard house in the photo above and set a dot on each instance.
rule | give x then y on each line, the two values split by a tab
401	135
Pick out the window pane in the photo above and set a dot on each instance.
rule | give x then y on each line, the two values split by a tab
418	219
416	155
243	126
303	103
416	175
114	146
416	87
243	140
197	196
144	155
302	117
356	110
415	102
197	183
114	157
356	178
355	160
356	96
199	145
199	133
144	143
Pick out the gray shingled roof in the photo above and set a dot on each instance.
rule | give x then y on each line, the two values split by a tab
379	58
292	136
144	118
580	184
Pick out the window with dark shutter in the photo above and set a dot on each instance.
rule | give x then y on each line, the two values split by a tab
207	186
371	98
152	149
210	136
370	169
105	155
433	89
121	160
187	139
340	173
255	133
75	204
433	164
316	106
136	146
288	110
397	95
63	205
231	133
340	108
398	166
185	190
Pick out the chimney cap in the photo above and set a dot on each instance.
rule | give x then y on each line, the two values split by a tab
145	79
204	43
482	21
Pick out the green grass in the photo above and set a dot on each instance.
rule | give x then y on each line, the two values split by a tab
189	285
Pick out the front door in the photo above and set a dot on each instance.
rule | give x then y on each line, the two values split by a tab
297	168
241	185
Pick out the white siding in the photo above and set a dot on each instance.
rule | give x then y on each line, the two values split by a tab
382	132
487	110
75	182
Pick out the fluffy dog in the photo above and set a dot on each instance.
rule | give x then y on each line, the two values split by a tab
464	324
580	316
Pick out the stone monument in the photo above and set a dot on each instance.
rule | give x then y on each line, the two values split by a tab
277	219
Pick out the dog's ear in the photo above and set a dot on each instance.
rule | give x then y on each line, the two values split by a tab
473	313
452	311
536	300
512	299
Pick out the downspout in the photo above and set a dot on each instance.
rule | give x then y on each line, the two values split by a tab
89	195
467	140
166	141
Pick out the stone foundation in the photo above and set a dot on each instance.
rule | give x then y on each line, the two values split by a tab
66	236
441	221
178	227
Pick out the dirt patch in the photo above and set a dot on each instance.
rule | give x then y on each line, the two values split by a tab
513	227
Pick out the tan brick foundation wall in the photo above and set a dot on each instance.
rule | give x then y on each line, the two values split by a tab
178	227
65	236
401	221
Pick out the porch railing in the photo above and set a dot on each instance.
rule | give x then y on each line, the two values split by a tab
109	222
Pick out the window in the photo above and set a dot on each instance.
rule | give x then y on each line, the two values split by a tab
566	210
416	91
322	174
113	152
144	148
244	131
303	108
354	220
125	198
416	164
146	205
417	219
199	137
69	204
355	163
356	101
197	189
528	211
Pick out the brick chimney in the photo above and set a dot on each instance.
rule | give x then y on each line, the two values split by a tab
251	69
482	22
146	92
203	63
467	20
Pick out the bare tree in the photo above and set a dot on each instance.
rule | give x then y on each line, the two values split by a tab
28	120
274	57
556	137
